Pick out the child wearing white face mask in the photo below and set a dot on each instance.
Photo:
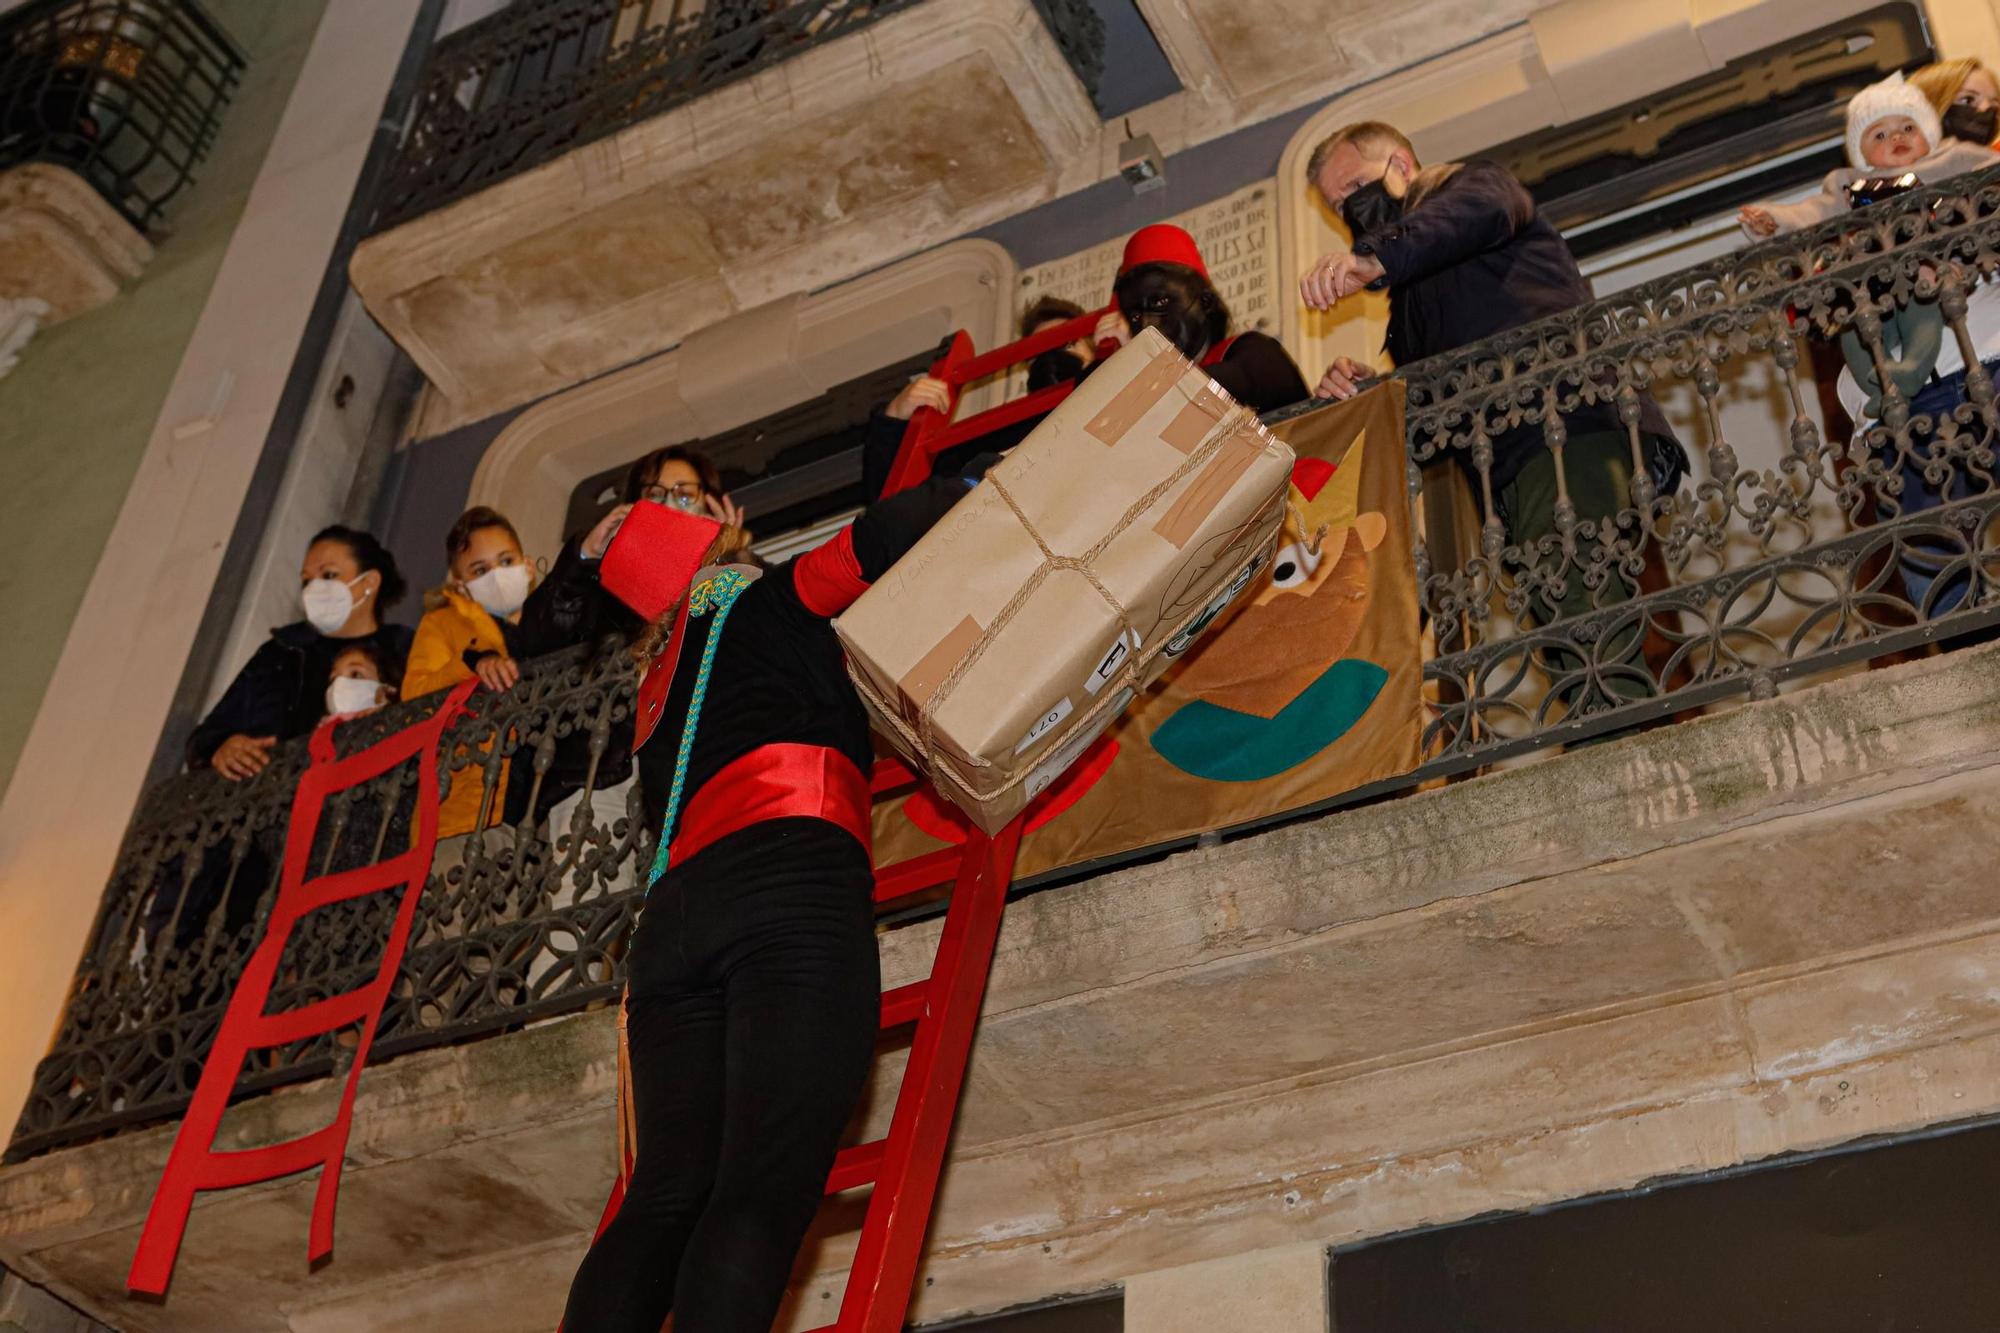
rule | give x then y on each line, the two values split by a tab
469	629
356	686
346	581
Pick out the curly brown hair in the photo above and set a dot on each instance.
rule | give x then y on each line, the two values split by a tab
644	472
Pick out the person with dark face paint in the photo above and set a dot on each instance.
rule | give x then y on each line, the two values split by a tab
1164	284
1062	365
1464	255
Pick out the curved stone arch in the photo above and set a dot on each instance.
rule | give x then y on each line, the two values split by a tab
738	370
1485	93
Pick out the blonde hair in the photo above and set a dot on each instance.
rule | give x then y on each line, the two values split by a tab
1940	82
1428	180
1373	139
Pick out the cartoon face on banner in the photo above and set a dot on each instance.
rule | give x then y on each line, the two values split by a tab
1291	685
1277	688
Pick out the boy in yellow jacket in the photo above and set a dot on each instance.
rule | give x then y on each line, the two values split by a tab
465	632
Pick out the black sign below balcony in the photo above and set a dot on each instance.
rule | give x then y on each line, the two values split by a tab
125	93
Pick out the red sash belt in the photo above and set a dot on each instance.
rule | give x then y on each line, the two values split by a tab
774	782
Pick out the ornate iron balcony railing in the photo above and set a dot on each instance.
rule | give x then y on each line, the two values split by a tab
1743	579
126	93
1740	579
542	77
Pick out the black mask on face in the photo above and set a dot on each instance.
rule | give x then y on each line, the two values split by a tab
1962	122
1371	208
1053	368
1177	301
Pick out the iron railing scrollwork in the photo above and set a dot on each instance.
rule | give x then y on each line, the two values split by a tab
1744	576
1786	551
542	77
520	919
128	94
1079	34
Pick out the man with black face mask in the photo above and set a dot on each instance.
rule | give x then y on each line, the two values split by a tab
1163	284
1464	255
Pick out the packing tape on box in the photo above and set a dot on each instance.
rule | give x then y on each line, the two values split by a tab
1146	390
1213	459
1171	645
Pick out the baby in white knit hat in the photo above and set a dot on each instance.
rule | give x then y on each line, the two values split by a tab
1892	130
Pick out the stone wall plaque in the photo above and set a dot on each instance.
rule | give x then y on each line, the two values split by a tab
1238	236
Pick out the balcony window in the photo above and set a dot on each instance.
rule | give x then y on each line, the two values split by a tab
126	93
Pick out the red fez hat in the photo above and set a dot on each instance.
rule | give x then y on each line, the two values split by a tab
1162	243
656	554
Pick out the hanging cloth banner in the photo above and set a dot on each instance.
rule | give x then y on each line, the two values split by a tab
195	1165
1309	690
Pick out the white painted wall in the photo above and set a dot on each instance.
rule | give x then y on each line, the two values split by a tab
319	477
95	733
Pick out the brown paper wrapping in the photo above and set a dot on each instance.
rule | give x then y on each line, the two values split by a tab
1020	627
1354	615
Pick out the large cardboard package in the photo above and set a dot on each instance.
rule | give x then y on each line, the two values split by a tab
1084	563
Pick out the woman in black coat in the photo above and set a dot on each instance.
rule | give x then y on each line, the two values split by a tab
347	581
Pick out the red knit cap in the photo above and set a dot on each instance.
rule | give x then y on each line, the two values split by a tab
1162	243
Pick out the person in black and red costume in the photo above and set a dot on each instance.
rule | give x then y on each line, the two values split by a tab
753	983
1162	283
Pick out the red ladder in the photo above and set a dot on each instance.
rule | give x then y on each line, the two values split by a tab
904	1167
931	432
194	1164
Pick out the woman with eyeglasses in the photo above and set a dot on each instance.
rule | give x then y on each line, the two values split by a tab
682	477
569	607
752	977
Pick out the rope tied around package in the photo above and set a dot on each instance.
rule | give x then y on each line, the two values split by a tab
1226	427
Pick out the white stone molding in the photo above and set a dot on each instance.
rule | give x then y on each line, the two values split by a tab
61	243
780	355
1261	58
904	135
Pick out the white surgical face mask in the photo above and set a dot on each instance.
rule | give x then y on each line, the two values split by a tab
351	694
501	590
328	603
